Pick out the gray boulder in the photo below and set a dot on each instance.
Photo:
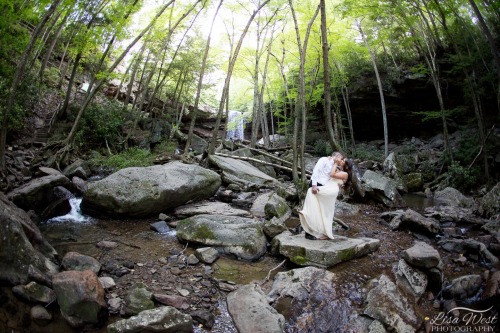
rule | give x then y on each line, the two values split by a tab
206	255
81	298
387	304
413	280
382	189
452	197
422	255
276	226
165	319
276	207
246	175
310	301
489	205
327	253
238	236
38	193
36	293
144	192
139	298
208	207
414	221
22	246
463	287
74	261
79	168
270	205
251	311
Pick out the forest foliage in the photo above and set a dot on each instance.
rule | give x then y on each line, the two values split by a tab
267	58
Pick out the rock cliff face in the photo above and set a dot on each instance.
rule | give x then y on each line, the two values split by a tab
403	98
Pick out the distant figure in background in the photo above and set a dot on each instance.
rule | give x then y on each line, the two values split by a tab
316	216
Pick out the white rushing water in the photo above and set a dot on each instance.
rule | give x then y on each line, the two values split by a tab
235	125
75	215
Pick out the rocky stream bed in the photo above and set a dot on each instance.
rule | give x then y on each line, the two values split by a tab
131	252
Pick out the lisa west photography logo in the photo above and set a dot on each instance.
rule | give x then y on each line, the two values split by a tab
470	320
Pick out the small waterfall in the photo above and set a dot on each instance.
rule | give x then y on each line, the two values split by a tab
235	125
75	215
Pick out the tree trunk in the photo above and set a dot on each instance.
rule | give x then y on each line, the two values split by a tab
255	108
232	61
18	78
55	38
69	139
200	82
326	81
71	82
493	46
131	81
380	90
300	108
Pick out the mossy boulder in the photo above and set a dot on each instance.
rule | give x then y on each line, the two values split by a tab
147	191
234	235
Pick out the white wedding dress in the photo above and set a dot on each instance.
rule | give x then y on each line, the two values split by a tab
317	213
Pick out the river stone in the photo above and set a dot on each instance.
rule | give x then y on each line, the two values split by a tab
238	236
79	168
204	317
276	226
208	207
251	311
81	298
413	279
165	319
160	227
139	298
147	191
386	304
22	246
206	255
422	255
37	194
276	206
107	282
453	197
326	253
308	299
177	301
259	205
381	188
414	221
40	315
80	262
59	207
35	293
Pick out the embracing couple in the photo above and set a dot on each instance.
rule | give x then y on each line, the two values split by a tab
329	175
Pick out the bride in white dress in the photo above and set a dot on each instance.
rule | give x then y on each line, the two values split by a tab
317	213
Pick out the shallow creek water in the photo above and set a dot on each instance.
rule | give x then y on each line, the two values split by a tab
143	246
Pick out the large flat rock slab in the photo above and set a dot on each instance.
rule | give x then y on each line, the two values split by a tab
322	253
